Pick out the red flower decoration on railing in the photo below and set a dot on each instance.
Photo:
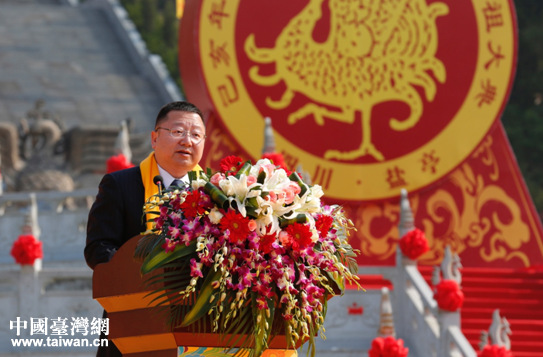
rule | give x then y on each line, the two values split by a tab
494	351
413	244
448	295
26	249
117	162
387	347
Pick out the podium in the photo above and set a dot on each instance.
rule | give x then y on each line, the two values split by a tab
134	324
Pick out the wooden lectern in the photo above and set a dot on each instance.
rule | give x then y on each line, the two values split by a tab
134	325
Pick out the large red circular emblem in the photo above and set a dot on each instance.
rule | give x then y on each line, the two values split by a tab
367	96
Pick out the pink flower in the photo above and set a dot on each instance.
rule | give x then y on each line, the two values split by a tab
169	245
174	232
251	225
217	178
261	303
285	239
289	195
272	197
251	180
196	268
268	169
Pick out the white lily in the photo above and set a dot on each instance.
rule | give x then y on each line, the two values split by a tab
215	215
265	218
237	190
227	187
196	184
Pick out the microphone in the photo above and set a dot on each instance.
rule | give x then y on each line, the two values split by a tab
159	181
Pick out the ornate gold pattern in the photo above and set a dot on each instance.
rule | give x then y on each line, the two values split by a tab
473	211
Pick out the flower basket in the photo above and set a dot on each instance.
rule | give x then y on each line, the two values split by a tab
249	253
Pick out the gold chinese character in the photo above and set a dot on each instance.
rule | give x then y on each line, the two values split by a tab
228	94
488	93
493	15
395	177
496	56
217	13
218	54
429	161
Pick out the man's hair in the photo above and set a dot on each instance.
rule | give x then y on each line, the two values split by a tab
177	106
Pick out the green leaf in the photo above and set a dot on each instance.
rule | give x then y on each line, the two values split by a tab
202	304
216	195
338	285
261	177
301	218
245	169
294	177
145	245
159	257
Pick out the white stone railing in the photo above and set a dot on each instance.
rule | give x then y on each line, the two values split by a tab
60	286
31	292
426	329
60	219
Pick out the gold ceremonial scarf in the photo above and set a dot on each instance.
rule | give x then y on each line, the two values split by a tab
149	169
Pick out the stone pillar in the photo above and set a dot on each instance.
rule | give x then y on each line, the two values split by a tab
29	284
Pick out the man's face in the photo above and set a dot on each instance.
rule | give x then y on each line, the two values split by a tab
178	155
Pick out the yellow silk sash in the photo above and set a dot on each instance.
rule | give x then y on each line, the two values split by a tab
149	169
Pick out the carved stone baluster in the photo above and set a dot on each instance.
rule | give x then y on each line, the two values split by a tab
386	323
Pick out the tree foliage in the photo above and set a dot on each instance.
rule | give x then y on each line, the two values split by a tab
158	26
522	118
523	115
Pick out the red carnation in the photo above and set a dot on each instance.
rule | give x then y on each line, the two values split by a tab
266	243
301	236
448	295
117	162
191	206
236	224
413	244
231	164
324	224
26	249
387	347
494	351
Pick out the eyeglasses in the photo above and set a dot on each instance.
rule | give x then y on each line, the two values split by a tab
195	138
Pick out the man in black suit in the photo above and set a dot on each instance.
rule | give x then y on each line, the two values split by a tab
117	213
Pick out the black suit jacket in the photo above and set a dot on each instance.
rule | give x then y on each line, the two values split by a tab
114	218
116	215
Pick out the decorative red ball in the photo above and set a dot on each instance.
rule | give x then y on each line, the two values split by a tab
494	351
448	295
414	244
387	347
117	162
26	249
